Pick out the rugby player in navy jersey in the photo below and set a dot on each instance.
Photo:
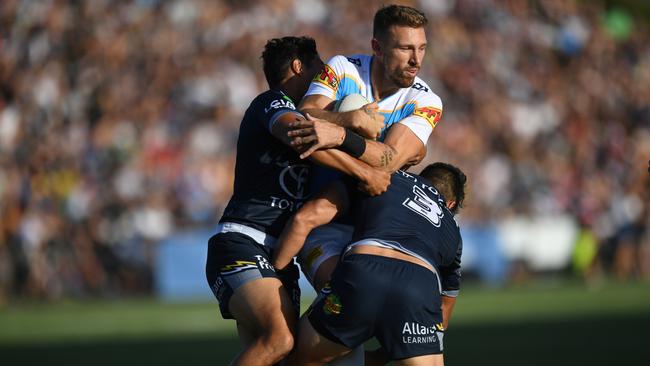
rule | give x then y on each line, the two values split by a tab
397	279
270	185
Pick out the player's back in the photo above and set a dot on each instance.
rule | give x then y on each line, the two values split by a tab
410	217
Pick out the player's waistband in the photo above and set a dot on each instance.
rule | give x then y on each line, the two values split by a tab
259	236
395	246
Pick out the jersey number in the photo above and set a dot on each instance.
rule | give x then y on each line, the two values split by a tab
424	206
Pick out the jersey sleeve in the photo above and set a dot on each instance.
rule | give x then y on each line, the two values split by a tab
450	275
273	105
425	116
328	79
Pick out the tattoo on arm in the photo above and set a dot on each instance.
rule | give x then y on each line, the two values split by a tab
386	157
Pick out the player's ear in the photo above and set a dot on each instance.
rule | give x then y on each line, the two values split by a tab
376	47
296	66
451	205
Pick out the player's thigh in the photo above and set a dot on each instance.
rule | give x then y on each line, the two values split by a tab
263	306
322	244
426	360
314	349
247	286
410	324
324	272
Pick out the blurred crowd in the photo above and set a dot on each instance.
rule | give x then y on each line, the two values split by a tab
118	123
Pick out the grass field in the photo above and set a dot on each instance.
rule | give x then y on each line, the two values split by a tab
541	324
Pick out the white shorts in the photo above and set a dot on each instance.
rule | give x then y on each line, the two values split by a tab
323	243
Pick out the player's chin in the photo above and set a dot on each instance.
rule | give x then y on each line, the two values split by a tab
404	81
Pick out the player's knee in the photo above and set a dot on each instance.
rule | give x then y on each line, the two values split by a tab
279	343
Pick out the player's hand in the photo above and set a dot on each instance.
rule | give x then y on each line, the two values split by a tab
376	182
313	134
368	122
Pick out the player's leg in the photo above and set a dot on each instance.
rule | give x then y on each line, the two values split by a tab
410	328
318	259
324	272
320	253
264	303
312	349
426	360
264	311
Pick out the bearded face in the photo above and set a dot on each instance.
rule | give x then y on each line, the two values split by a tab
401	54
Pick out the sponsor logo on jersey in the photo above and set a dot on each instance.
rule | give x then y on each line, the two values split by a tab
356	61
218	288
432	115
413	332
264	263
285	102
418	86
327	77
332	305
294	179
238	266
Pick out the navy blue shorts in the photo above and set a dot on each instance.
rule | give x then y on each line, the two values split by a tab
235	259
395	301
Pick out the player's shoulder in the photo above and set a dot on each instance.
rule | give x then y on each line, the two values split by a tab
350	62
272	99
422	93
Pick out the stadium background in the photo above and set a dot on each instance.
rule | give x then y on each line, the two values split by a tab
118	122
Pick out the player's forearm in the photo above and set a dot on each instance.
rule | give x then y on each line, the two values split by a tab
343	119
448	303
342	162
290	243
383	156
316	212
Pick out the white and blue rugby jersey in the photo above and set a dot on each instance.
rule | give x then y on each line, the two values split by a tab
417	106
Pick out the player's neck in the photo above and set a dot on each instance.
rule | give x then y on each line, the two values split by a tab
290	91
382	86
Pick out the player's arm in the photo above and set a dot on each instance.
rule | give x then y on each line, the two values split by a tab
450	279
448	303
283	124
316	212
373	181
401	146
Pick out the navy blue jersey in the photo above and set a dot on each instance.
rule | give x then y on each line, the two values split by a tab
271	180
411	217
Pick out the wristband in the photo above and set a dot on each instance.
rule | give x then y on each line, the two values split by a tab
353	144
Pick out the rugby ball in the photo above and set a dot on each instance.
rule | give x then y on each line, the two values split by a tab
350	103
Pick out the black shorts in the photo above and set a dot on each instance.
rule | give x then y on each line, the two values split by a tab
235	259
371	296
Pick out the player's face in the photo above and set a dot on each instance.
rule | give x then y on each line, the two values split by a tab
309	72
402	52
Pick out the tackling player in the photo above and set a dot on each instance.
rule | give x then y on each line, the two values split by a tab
405	242
407	105
270	185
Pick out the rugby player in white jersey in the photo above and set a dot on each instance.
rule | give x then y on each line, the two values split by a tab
409	108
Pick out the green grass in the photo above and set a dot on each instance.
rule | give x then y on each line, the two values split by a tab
542	324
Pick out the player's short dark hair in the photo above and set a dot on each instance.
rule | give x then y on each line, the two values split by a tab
448	180
280	52
396	15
